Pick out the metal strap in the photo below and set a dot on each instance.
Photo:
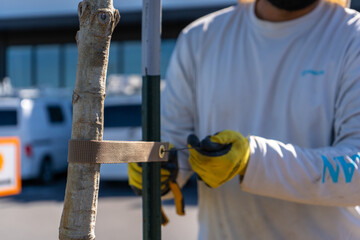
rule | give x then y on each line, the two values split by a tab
90	151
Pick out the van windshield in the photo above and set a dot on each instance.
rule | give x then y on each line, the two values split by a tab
8	117
122	116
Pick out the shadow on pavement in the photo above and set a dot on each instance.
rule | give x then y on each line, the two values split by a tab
33	191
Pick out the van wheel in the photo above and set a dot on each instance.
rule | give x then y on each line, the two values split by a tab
46	172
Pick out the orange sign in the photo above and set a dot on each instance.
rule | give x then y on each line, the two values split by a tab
10	173
1	162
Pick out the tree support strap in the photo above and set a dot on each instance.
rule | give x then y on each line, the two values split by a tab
91	151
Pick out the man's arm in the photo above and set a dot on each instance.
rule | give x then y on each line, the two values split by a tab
325	176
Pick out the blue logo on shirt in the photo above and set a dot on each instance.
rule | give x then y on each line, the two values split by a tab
312	72
348	166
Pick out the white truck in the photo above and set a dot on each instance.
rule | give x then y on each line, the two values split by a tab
42	122
43	126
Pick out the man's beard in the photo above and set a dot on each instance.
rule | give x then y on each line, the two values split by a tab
291	5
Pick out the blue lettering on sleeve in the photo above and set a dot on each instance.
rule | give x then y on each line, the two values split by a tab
356	159
334	174
347	166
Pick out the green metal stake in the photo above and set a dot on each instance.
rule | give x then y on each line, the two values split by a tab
151	40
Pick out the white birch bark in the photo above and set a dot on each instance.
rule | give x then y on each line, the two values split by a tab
98	19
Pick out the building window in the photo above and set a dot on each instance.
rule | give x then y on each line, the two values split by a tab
54	66
19	65
47	66
113	65
132	57
71	55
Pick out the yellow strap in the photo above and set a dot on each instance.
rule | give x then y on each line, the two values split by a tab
178	198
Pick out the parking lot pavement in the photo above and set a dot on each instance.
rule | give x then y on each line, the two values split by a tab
36	212
122	218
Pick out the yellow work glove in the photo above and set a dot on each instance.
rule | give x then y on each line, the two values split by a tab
168	174
220	157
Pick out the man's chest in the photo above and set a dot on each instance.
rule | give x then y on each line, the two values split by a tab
244	90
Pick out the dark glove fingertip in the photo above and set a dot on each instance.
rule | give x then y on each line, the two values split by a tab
209	146
193	140
173	155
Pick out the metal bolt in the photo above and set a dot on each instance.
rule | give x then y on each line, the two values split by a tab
161	151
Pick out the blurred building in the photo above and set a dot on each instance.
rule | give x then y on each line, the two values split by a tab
37	38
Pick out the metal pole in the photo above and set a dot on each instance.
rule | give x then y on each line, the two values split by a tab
151	40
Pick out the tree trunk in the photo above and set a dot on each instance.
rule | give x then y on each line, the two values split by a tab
98	19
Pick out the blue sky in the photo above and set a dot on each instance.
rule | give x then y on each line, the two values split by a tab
28	8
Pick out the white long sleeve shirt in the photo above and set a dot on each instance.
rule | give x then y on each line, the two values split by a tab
294	88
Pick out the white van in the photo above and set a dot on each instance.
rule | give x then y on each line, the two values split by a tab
122	122
43	126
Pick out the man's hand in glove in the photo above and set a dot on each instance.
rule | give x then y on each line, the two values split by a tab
168	172
220	157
